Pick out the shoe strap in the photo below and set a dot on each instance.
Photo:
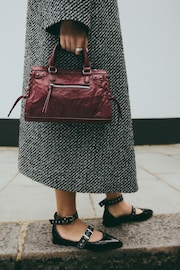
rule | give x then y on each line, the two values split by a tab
85	238
133	213
111	202
58	220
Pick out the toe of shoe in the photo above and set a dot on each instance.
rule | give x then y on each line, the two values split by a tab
107	242
146	214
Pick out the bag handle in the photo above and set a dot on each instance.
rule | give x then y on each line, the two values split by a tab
52	65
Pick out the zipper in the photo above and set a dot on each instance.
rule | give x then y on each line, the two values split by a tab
69	86
52	85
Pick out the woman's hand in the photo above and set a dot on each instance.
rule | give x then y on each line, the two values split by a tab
72	36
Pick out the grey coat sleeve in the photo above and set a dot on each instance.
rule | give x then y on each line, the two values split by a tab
54	11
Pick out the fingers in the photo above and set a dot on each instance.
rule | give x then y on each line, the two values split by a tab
72	44
62	42
86	43
81	44
72	37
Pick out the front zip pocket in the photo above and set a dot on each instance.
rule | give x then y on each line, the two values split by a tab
76	86
61	86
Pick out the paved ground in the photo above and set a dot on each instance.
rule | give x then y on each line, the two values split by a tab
158	169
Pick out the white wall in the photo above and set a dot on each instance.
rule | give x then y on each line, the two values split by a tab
151	34
12	29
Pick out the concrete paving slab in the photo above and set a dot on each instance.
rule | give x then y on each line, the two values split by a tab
8	155
173	180
96	198
26	203
158	163
84	206
176	157
22	180
7	173
8	165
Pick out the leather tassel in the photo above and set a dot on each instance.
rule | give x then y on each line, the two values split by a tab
45	107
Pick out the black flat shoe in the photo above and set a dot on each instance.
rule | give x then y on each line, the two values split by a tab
110	221
107	242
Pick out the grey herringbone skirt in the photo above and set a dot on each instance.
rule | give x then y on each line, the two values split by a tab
81	157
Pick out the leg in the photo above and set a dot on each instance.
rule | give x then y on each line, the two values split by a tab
66	202
66	206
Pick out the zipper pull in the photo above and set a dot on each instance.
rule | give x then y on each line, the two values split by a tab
45	107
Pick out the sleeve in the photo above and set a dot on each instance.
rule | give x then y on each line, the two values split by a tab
54	11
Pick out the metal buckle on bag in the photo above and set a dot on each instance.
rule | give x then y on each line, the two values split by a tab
52	69
86	71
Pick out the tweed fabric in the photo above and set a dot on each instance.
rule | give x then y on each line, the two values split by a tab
82	157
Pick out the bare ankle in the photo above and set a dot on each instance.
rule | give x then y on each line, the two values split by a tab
113	195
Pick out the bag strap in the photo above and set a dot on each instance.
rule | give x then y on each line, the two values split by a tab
52	65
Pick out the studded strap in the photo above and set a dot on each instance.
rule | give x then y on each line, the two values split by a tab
58	220
133	213
111	202
85	238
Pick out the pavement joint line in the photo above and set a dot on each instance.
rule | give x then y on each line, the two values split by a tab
22	235
156	175
9	181
92	204
164	181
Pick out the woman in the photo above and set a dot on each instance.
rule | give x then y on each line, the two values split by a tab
96	158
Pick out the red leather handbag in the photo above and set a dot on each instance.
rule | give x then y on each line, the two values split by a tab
67	95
